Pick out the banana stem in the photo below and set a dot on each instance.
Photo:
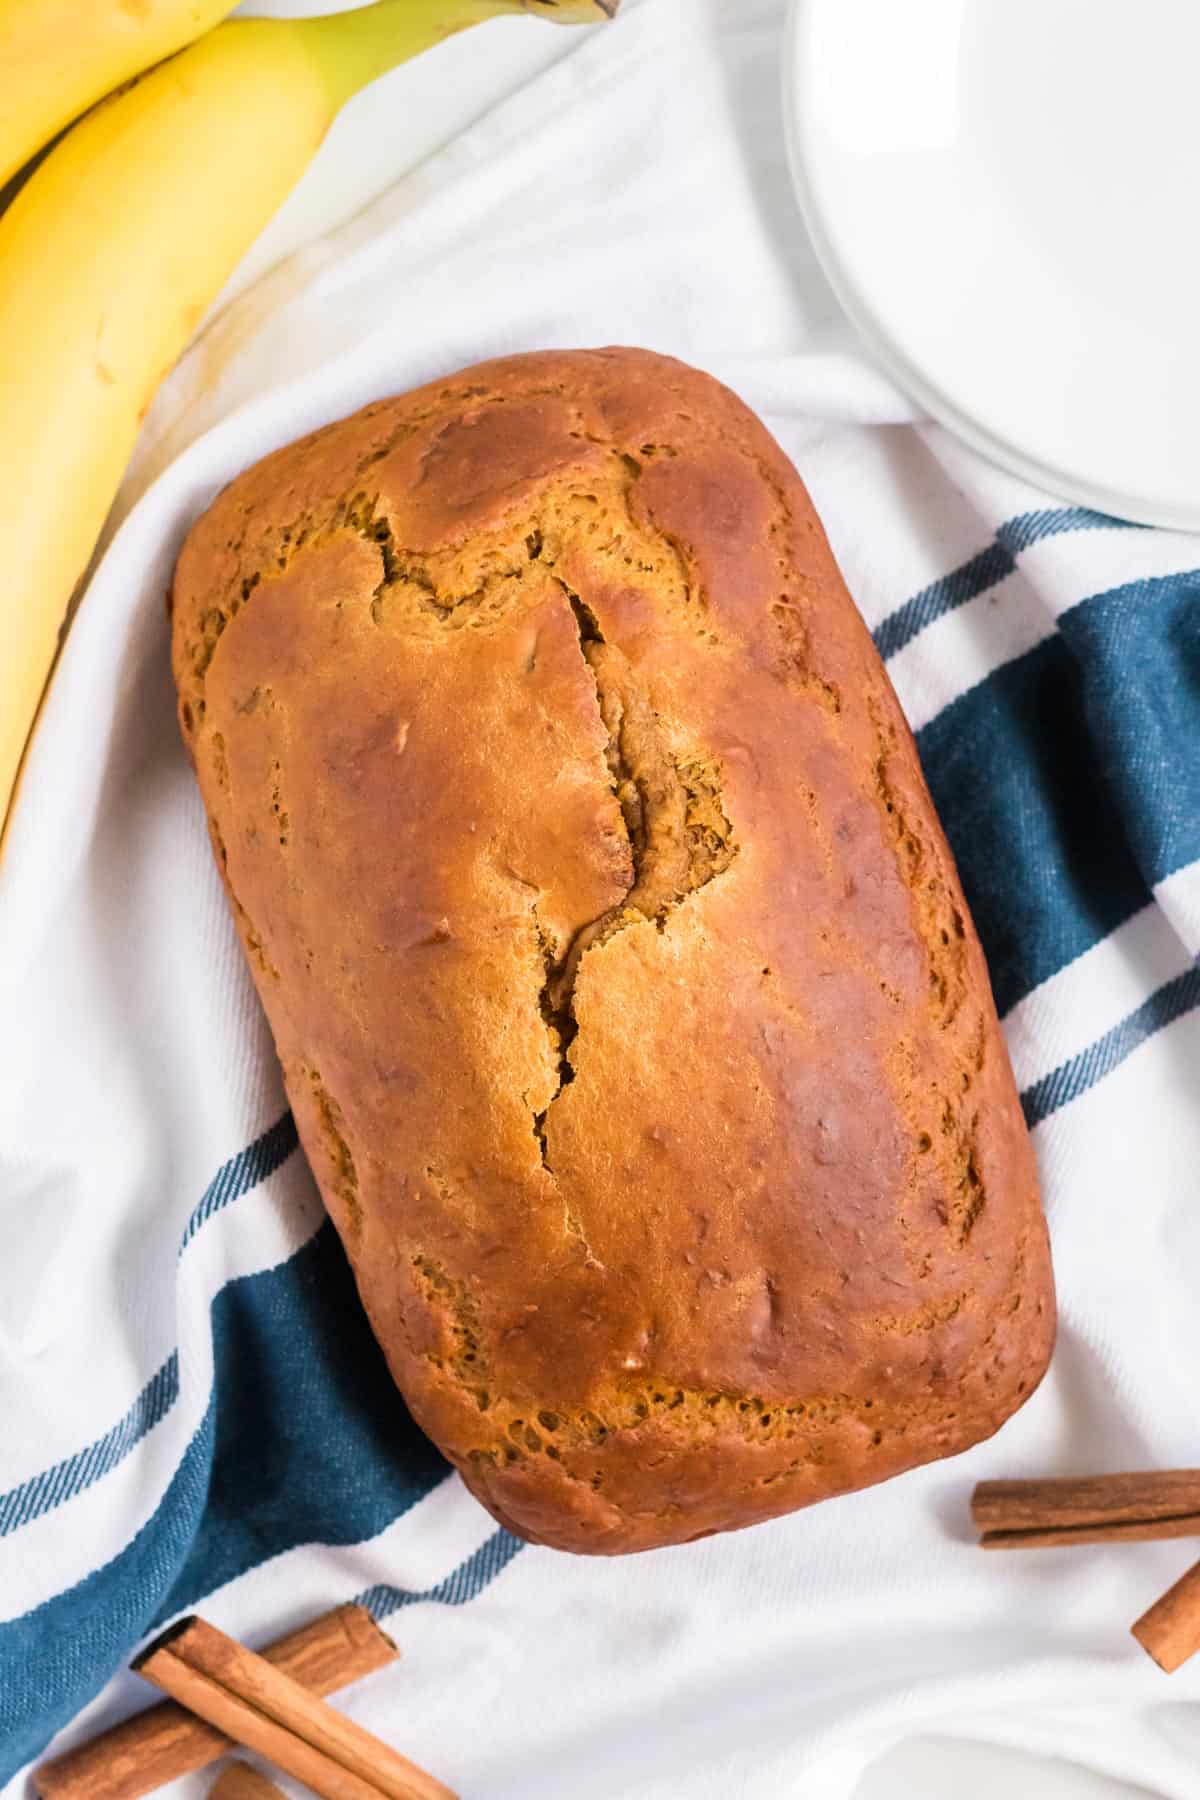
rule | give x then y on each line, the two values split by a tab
352	49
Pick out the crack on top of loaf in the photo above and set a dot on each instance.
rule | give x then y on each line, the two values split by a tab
561	1028
271	543
474	581
568	512
679	835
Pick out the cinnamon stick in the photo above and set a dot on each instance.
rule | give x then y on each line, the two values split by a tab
164	1742
1132	1531
1025	1515
255	1703
240	1782
1170	1630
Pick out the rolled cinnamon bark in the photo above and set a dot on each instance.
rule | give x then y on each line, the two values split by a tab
164	1742
1089	1509
1169	1631
263	1708
240	1782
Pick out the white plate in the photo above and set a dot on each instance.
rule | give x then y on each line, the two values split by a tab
1005	195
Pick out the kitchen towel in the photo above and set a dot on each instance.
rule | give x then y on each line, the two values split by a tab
192	1411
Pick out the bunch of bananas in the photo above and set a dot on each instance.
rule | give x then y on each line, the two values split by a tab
118	241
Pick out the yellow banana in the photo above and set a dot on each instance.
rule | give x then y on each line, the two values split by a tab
115	247
58	56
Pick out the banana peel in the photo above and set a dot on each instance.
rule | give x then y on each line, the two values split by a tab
58	57
574	12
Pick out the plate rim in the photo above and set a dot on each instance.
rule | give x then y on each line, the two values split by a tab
1137	509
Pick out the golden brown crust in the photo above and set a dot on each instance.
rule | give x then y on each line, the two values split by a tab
624	987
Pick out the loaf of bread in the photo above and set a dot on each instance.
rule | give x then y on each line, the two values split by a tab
625	993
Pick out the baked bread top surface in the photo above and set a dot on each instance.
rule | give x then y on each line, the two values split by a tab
625	992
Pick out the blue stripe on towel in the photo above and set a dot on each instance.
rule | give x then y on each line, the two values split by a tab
42	1493
949	592
1044	860
462	1584
1174	1000
1068	780
243	1172
1019	533
1138	646
985	570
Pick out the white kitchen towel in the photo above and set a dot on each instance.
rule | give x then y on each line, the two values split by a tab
191	1408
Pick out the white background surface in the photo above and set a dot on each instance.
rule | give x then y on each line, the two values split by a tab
378	137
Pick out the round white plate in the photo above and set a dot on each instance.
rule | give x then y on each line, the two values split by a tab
1005	195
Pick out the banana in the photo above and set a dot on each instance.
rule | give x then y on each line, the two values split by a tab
58	56
112	252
